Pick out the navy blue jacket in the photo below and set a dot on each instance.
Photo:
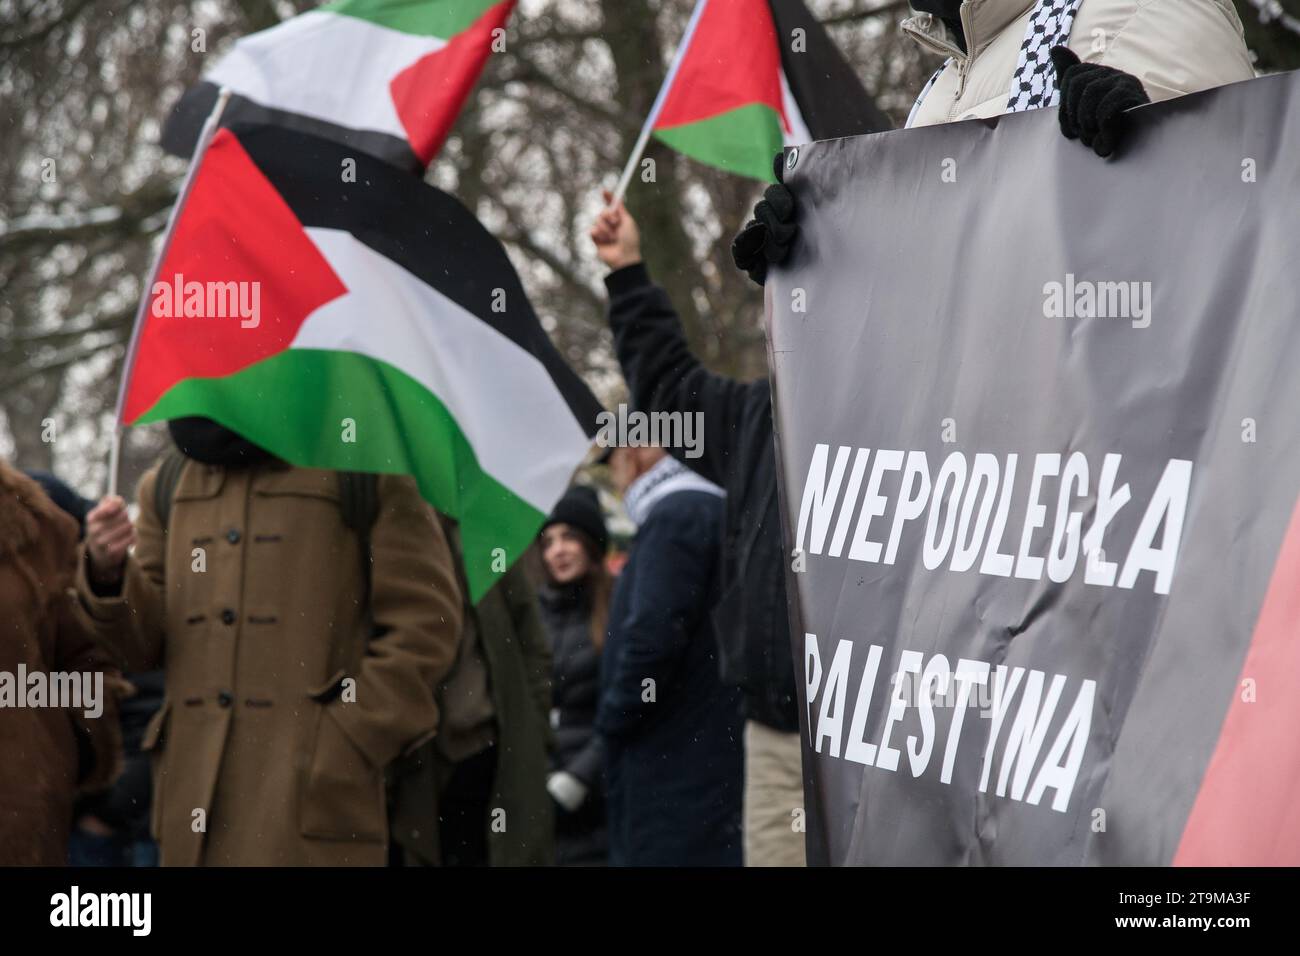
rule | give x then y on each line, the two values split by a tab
674	747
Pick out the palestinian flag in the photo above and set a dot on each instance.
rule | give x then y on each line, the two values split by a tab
386	77
748	82
370	326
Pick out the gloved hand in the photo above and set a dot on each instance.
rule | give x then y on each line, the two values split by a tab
566	790
1093	100
768	237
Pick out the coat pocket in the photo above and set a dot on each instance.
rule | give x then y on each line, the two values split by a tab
152	743
343	794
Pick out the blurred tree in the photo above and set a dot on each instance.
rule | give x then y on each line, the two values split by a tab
84	189
1272	33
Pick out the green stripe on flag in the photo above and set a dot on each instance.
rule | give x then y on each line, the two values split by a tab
429	18
741	141
293	405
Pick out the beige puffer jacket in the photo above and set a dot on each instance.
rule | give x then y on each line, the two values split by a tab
1173	46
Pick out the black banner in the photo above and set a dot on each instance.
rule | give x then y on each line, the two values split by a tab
1037	426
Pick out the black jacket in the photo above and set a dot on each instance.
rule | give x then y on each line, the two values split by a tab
751	617
575	686
125	805
580	837
675	761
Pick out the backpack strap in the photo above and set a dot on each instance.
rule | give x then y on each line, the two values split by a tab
170	467
358	501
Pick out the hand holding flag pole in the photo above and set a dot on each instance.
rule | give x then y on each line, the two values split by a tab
128	361
648	127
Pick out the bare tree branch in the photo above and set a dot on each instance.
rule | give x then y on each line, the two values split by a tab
20	38
71	330
530	73
58	362
563	270
1272	11
49	228
258	14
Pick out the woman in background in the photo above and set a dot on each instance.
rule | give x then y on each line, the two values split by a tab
574	602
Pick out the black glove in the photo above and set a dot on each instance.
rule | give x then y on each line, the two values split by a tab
767	238
1093	100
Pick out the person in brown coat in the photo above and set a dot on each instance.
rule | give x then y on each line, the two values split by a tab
47	752
293	678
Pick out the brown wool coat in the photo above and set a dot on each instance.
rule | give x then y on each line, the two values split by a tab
253	603
41	628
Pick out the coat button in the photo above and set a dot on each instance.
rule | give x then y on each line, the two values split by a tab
233	536
225	698
228	617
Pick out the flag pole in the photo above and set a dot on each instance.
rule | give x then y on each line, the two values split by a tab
625	180
128	362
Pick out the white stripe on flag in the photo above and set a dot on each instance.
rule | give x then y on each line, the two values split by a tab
502	398
797	134
330	67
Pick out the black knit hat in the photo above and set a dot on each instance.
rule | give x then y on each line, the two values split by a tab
580	508
62	495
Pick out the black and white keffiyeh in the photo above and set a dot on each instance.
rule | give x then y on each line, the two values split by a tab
666	476
1034	84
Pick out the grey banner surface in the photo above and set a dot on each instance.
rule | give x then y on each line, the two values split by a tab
1037	430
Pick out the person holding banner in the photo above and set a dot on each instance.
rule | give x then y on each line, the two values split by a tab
1109	55
1094	58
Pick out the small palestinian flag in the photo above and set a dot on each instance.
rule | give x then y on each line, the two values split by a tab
370	326
757	75
387	77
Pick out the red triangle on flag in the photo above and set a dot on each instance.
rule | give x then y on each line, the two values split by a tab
429	93
733	60
238	279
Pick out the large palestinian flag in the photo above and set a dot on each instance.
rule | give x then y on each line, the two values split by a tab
387	77
371	326
757	75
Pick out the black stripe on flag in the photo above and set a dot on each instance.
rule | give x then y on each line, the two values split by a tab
184	123
831	98
420	228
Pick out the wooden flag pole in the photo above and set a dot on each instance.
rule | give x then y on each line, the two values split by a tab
128	361
648	127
